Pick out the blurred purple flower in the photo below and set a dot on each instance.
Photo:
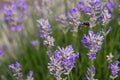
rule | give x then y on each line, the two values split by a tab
81	6
21	4
30	76
49	53
114	69
92	56
16	71
11	17
110	5
35	44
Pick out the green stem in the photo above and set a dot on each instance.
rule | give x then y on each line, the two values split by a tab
66	5
69	77
65	35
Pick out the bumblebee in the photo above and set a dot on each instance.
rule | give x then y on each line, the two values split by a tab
83	25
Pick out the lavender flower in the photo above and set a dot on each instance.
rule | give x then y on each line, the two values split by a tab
113	66
49	53
90	73
106	16
43	8
62	62
44	28
21	4
81	6
110	5
16	71
11	17
35	44
93	10
114	69
49	41
62	19
30	76
73	17
93	42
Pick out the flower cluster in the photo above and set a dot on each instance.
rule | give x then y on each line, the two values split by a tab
62	62
16	71
113	66
12	18
72	18
90	73
97	12
93	42
45	32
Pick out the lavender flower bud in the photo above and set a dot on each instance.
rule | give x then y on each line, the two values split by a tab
49	53
44	28
16	71
114	69
90	73
49	41
30	76
109	57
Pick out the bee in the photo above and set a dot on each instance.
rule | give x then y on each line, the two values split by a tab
83	25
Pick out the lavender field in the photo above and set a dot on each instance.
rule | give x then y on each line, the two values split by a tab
59	40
